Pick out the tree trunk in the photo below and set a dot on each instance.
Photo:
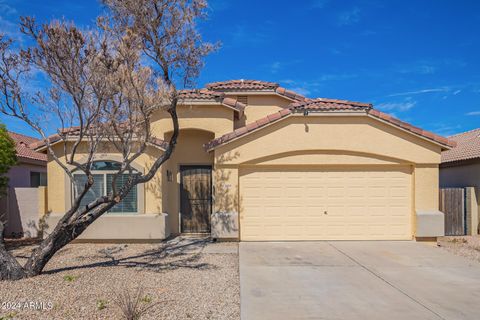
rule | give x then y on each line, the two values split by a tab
67	230
63	234
10	269
59	238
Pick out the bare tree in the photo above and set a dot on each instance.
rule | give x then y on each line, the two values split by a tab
104	85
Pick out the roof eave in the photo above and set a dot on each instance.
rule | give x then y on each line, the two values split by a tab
208	102
444	146
71	139
241	132
29	160
459	162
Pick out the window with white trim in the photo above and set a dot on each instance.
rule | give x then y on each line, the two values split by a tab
103	173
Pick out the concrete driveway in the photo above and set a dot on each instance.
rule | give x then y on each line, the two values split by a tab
356	280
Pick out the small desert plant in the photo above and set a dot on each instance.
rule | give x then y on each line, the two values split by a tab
459	240
8	316
69	278
101	304
133	303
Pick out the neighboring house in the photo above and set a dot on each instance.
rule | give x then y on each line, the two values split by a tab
21	203
460	168
461	165
257	162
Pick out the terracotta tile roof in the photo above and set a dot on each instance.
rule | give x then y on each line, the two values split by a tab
290	94
74	131
416	130
248	128
242	84
23	147
468	147
200	94
208	95
327	105
253	85
323	104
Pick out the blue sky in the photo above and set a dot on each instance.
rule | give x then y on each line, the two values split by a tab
418	60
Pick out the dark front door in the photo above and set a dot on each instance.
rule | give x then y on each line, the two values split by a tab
195	198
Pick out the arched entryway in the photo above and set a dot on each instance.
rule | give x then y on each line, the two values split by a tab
187	183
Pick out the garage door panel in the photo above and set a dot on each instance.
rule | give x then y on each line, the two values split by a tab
363	203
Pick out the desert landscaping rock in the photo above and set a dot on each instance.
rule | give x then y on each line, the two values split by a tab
466	246
180	279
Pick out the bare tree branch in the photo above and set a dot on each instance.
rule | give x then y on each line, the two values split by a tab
104	85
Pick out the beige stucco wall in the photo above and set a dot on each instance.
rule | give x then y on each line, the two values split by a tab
58	183
340	140
330	141
426	187
260	106
213	118
462	175
359	135
42	201
125	228
189	151
59	187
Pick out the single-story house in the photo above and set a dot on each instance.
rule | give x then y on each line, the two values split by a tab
461	165
460	168
22	202
256	162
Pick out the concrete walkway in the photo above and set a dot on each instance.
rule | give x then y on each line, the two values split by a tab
356	280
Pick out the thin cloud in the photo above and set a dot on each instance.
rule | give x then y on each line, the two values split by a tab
429	66
218	5
420	69
368	32
275	66
444	129
319	4
243	34
409	93
473	113
397	106
302	91
7	9
10	28
336	76
349	17
308	87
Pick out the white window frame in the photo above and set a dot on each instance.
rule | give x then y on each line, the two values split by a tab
104	174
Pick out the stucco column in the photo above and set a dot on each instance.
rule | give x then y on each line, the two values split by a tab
472	206
429	221
225	222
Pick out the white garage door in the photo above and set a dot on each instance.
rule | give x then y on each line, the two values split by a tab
371	203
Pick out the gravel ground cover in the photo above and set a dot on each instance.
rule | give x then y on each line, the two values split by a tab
467	246
179	279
